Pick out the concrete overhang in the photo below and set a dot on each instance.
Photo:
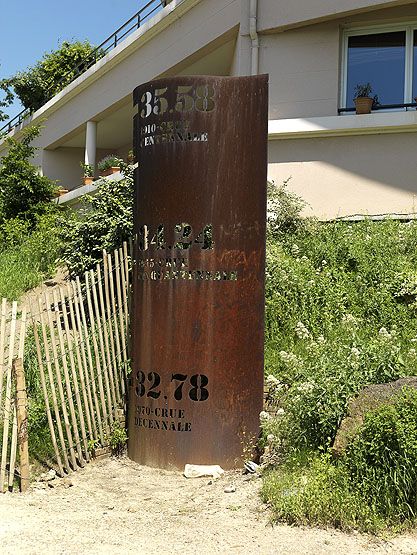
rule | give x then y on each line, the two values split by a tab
280	16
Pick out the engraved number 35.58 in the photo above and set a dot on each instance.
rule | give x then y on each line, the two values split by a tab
188	98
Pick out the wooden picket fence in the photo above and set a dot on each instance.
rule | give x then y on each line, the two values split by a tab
12	338
81	333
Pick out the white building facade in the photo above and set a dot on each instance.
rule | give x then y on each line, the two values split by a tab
315	53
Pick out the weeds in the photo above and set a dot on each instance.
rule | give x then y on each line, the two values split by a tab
341	307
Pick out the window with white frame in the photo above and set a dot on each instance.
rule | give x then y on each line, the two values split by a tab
384	57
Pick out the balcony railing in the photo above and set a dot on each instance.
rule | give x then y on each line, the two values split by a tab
382	107
106	46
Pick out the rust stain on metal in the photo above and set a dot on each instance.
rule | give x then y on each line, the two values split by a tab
196	388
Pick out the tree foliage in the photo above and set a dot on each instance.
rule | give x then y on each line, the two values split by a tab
24	193
35	86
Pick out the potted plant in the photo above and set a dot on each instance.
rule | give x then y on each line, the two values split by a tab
88	172
60	191
363	99
109	164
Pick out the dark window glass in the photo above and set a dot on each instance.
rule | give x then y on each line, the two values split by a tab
377	59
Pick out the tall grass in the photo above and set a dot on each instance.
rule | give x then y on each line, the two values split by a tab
341	313
27	258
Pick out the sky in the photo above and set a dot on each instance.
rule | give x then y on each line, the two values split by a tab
30	28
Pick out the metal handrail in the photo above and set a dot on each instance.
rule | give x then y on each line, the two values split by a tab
382	107
106	46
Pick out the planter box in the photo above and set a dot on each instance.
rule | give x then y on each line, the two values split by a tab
109	171
60	192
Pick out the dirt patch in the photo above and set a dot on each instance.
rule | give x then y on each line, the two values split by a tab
116	506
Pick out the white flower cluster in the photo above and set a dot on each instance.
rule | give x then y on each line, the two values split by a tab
355	352
272	381
306	387
385	334
301	331
349	320
295	250
264	416
289	358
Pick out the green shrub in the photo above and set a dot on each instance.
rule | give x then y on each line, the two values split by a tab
105	222
283	210
382	459
117	438
317	492
24	193
341	307
372	488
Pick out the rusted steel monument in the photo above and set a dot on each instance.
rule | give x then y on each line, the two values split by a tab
196	387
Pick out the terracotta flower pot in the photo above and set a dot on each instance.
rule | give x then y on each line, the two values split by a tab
60	191
363	104
88	180
110	171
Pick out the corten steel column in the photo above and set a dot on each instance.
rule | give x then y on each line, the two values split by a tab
198	285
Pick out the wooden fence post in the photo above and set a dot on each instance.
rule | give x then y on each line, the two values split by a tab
22	423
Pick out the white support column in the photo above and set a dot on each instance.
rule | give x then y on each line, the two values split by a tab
90	143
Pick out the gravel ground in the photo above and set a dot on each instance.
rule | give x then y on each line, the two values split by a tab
116	506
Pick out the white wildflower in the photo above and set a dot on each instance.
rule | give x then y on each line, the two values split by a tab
301	331
280	412
384	333
321	340
355	352
288	358
305	387
349	319
264	416
324	262
412	352
295	250
270	438
272	381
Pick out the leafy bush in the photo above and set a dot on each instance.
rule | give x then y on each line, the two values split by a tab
24	193
105	222
35	86
88	169
315	491
117	438
373	487
283	210
382	459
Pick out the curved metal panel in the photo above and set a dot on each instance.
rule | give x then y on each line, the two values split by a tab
198	287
